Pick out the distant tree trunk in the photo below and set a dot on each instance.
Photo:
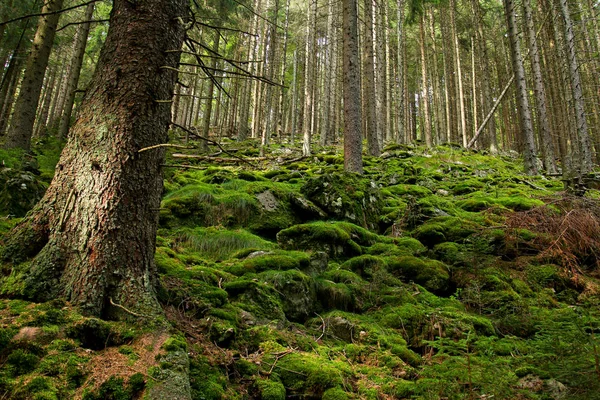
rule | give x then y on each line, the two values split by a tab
329	73
369	100
489	138
522	101
351	82
584	143
211	87
400	103
309	80
92	236
545	135
75	70
461	93
424	92
45	100
380	75
21	129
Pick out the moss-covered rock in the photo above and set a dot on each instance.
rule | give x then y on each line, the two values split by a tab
346	197
432	274
19	191
323	236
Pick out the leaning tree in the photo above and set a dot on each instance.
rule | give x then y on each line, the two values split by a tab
91	238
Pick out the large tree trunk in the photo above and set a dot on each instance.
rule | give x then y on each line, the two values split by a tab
21	129
93	234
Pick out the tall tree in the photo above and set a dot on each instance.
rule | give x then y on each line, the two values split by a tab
351	83
75	70
21	129
522	94
369	101
92	235
584	158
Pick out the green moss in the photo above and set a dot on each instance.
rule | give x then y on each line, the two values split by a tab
345	196
365	266
328	237
175	343
444	229
336	393
21	362
270	389
432	274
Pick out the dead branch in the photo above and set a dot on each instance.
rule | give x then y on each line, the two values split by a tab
157	146
47	13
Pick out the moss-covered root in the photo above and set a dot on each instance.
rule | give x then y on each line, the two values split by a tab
172	377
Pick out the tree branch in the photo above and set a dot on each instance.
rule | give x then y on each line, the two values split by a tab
48	13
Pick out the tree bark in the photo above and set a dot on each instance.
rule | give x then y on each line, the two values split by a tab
75	71
351	83
369	101
92	236
21	129
545	133
522	99
583	138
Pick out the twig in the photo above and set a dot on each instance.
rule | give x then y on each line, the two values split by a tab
126	310
82	22
183	166
47	13
324	326
178	146
213	142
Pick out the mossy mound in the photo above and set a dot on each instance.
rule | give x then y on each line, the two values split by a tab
346	197
20	190
432	274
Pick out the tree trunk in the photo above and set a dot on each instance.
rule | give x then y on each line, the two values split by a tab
522	101
75	70
424	85
583	138
93	234
211	87
351	82
21	129
460	95
369	100
309	73
545	134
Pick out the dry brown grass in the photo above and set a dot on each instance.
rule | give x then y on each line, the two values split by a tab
568	232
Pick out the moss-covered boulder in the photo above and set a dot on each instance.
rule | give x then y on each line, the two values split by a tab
19	191
297	293
347	197
444	229
433	275
322	236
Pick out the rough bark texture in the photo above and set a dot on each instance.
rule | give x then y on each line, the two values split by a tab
370	102
21	129
92	236
585	146
522	100
351	82
545	133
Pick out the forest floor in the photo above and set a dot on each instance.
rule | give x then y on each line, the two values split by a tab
438	274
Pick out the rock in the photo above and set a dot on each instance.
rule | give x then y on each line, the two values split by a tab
268	200
346	197
19	191
340	328
306	209
532	383
557	390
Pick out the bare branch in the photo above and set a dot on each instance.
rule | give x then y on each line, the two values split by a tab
48	13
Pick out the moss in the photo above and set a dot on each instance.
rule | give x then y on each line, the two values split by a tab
93	333
468	186
207	381
365	266
345	196
336	393
328	237
270	389
444	229
307	373
21	362
409	190
175	343
297	293
449	252
432	274
281	261
333	295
